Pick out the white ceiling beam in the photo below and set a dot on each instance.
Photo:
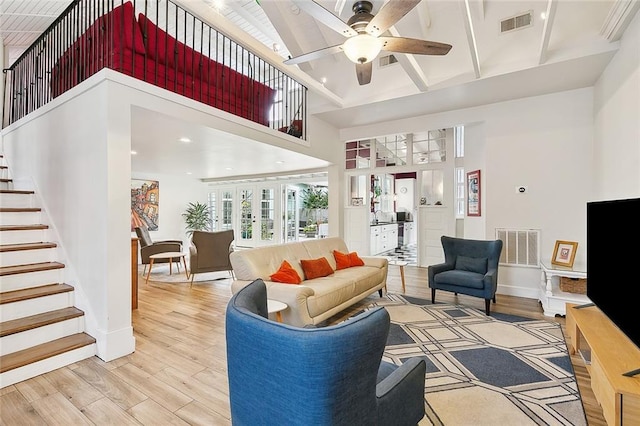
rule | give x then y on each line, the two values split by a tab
619	17
411	67
278	13
471	37
546	31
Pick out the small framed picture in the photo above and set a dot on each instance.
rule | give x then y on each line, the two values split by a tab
473	193
357	201
564	253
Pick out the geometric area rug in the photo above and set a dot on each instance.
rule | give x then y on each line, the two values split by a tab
484	370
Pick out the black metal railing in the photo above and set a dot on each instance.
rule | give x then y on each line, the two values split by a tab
158	42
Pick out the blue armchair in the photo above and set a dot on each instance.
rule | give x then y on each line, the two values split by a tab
281	374
470	267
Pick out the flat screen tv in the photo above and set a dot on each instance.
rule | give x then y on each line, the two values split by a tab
613	256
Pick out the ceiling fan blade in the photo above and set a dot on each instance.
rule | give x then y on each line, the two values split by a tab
326	17
316	54
414	45
390	13
364	73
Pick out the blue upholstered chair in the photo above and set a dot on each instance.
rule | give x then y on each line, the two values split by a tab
285	375
470	267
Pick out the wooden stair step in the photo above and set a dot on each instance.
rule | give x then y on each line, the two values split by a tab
26	246
39	320
19	209
6	180
30	267
33	227
46	350
16	191
33	292
4	167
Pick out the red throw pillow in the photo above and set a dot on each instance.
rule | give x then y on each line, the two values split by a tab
286	274
315	268
347	260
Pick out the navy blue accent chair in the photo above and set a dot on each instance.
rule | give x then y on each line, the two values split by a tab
285	375
470	267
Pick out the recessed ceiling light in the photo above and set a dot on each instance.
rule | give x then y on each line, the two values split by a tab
185	140
323	80
228	168
189	173
543	15
280	162
133	152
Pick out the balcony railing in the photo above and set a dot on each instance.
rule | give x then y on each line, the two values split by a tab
158	42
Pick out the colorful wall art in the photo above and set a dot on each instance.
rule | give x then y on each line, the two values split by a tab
145	200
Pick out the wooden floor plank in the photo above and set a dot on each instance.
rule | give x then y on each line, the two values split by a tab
196	413
109	385
58	410
16	410
73	388
36	388
151	412
105	411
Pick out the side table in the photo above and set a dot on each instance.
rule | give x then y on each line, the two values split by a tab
554	300
401	264
168	255
276	307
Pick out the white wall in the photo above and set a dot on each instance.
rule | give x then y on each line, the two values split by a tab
617	122
75	153
176	192
543	142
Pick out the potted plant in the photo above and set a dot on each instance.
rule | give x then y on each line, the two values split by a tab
197	217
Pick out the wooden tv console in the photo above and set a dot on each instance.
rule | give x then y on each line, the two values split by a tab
608	354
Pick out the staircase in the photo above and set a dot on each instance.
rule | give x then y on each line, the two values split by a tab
40	329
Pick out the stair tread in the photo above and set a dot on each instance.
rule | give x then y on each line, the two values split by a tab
46	350
26	246
16	191
33	292
38	320
19	209
6	180
30	267
35	226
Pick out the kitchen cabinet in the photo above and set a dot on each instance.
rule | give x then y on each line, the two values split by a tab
384	237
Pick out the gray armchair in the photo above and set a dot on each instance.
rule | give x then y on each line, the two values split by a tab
471	268
149	247
209	252
285	375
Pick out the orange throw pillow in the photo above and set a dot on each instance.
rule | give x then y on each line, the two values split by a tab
347	260
315	268
286	274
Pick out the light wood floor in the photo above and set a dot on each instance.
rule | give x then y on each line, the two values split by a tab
177	375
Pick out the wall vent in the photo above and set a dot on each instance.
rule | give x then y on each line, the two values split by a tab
385	61
520	247
517	22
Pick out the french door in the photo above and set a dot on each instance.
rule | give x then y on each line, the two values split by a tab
291	215
257	215
221	206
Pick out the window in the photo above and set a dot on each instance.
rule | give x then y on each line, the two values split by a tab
459	195
458	140
430	147
358	155
391	151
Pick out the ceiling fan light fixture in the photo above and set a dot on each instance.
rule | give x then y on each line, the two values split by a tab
362	48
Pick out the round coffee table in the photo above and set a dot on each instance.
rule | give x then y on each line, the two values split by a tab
276	307
170	255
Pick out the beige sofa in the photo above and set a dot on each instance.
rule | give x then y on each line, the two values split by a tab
312	301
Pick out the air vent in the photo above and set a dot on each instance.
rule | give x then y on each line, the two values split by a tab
385	61
517	22
521	247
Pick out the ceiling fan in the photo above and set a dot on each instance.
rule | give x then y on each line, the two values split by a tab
363	31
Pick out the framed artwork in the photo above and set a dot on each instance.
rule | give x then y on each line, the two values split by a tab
564	253
145	202
473	193
357	201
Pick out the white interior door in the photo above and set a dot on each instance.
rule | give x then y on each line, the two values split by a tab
221	207
259	208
